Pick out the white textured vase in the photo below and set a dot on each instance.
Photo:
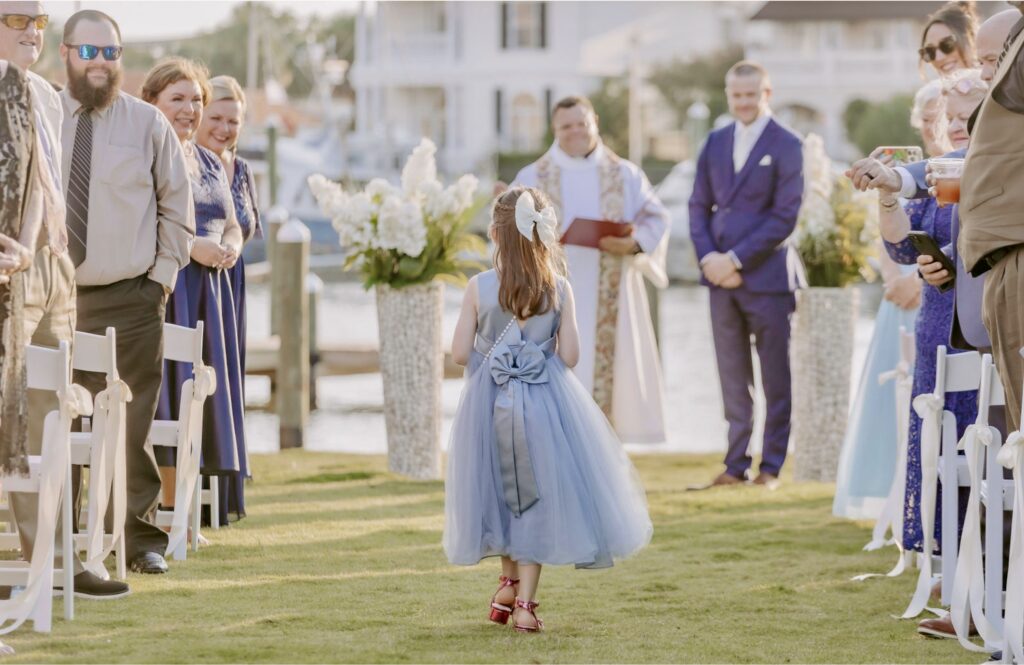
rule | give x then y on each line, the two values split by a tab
412	367
821	357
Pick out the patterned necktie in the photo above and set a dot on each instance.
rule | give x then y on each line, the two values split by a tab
78	188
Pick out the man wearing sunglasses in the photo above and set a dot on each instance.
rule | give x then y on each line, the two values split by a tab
130	230
50	280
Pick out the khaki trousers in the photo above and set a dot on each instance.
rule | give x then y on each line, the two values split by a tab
1003	314
49	320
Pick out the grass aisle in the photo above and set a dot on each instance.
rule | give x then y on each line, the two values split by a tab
341	562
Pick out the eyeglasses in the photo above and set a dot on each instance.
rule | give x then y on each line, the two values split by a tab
947	45
89	52
22	21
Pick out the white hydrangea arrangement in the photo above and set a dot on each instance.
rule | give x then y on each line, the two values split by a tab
405	235
837	225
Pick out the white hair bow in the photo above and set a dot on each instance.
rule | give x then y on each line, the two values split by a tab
527	217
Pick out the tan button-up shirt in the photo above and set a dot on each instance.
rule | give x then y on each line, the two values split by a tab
141	218
49	114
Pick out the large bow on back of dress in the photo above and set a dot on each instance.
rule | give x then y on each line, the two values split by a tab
513	364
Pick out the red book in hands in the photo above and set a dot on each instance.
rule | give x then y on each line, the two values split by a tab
588	232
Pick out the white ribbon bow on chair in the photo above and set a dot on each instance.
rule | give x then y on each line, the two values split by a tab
528	218
204	384
1011	456
929	407
107	474
74	403
969	579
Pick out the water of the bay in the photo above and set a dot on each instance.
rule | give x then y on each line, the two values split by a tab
350	415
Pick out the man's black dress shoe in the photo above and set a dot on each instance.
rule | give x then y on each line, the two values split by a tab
148	562
92	587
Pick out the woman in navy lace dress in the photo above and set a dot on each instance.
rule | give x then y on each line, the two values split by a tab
218	133
180	89
962	93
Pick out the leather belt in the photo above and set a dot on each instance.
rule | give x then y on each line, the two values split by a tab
990	260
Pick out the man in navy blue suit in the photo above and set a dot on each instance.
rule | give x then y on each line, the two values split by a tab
746	197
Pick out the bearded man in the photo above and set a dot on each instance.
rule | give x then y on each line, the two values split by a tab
130	227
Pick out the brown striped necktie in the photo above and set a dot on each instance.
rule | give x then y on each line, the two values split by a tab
78	188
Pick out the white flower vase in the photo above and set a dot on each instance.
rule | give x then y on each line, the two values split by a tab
412	367
821	357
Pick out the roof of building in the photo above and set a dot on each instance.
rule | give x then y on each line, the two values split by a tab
803	10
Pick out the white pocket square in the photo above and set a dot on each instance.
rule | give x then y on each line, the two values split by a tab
765	161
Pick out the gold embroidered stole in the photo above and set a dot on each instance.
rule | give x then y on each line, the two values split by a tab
613	204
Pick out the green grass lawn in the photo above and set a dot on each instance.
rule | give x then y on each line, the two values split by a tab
340	561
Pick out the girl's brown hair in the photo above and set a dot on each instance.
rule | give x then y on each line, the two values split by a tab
528	269
962	20
170	71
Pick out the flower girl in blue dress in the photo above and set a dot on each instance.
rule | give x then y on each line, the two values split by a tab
536	474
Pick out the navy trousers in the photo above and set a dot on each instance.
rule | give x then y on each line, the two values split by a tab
737	315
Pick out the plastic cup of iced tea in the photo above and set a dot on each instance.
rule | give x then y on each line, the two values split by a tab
946	171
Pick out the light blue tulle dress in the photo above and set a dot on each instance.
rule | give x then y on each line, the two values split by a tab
867	463
535	471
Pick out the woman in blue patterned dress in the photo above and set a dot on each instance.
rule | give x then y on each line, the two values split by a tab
963	92
180	89
218	133
869	455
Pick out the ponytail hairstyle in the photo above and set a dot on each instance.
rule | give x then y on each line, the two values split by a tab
528	269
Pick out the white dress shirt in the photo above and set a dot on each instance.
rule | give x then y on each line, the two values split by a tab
745	137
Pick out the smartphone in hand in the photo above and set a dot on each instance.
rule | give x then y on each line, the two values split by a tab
926	245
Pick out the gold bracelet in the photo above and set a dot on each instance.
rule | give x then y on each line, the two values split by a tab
889	205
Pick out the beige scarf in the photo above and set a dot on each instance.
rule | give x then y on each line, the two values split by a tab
549	177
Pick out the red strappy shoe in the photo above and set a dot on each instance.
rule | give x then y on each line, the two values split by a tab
529	606
500	613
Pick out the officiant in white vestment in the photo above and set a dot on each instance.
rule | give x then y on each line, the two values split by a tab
619	360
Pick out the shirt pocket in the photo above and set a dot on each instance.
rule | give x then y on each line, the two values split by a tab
125	167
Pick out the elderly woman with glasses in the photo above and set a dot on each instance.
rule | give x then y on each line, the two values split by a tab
218	132
963	91
180	89
947	43
868	459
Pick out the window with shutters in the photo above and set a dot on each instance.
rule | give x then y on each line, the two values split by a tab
523	25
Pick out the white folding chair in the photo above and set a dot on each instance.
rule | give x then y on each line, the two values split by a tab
953	373
49	477
103	451
186	434
968	595
1011	456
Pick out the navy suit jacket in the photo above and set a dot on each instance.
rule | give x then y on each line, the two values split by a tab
968	331
752	213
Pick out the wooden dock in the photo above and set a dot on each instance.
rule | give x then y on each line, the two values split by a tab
330	360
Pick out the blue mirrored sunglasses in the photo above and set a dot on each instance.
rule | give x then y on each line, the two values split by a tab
89	52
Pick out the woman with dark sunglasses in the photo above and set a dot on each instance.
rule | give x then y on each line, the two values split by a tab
947	43
180	89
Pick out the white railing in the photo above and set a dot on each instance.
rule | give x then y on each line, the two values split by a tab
413	47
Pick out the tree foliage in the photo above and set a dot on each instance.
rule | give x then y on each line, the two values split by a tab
869	124
611	103
683	82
